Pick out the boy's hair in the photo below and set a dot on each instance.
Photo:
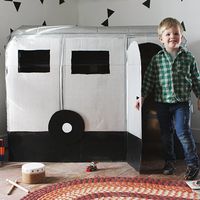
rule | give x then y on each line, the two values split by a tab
168	23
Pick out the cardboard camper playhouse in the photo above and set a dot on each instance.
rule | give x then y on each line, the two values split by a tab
71	92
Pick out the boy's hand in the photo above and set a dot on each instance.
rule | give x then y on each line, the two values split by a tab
139	102
198	104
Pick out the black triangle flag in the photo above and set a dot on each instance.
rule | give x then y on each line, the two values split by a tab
44	23
42	1
105	23
110	12
61	1
147	3
11	30
17	5
183	25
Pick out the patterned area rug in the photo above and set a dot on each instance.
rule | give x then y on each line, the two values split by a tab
115	188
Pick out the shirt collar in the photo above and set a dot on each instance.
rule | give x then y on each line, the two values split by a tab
181	49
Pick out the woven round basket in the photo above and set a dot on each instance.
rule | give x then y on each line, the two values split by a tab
33	173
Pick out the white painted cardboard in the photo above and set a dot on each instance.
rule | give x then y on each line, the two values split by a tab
105	101
133	89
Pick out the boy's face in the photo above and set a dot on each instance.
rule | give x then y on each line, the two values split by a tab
171	38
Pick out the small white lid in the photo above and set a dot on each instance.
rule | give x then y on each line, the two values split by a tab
32	168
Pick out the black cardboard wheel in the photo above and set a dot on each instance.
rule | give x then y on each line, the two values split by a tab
66	122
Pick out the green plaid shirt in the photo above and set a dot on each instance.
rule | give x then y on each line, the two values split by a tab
172	80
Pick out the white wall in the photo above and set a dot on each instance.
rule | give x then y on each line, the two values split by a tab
30	12
130	12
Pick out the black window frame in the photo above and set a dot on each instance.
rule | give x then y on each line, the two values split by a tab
34	61
90	62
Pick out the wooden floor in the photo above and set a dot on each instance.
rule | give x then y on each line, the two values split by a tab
57	172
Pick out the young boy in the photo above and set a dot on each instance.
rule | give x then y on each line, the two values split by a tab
173	74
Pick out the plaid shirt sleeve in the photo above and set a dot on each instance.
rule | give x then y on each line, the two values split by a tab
149	79
195	75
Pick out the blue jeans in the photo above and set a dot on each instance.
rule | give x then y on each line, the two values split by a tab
175	117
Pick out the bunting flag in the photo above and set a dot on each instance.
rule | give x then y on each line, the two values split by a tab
183	25
61	1
147	3
44	23
16	4
105	23
42	1
109	13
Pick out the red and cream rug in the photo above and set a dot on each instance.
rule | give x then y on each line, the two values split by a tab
115	188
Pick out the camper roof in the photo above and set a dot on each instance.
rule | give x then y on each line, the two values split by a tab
135	30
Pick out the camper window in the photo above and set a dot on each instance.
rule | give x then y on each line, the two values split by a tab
90	62
33	61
